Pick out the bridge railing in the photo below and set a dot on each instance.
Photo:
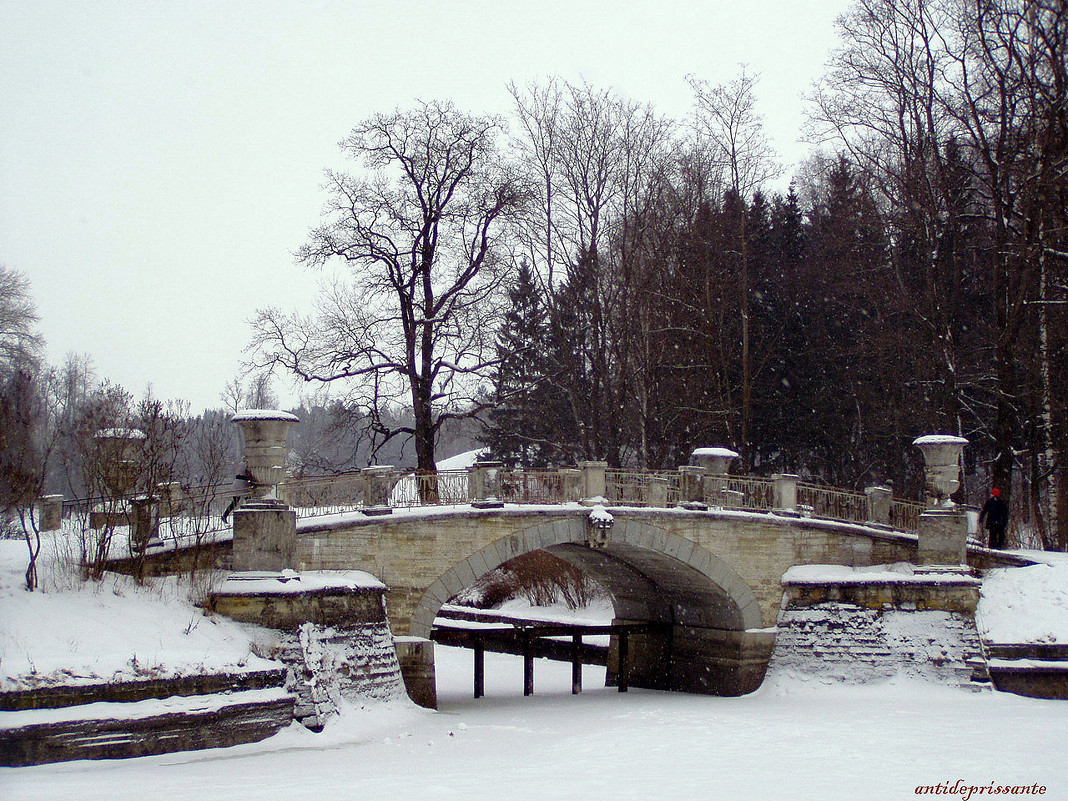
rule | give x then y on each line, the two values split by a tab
318	496
832	504
752	492
196	511
444	488
905	515
531	486
633	487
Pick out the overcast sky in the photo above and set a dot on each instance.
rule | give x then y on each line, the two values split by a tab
161	161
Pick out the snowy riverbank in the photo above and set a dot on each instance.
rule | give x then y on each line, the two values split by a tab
790	739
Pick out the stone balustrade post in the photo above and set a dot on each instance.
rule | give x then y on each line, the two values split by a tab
378	484
571	484
594	482
488	484
144	521
658	492
784	497
50	512
171	498
879	499
691	486
476	490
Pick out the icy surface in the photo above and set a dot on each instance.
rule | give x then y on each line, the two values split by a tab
789	740
793	738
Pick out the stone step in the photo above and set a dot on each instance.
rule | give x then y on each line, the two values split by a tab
1034	678
58	696
1046	652
115	730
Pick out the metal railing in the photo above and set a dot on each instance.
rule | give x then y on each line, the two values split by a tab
444	488
531	486
905	515
832	504
199	510
750	492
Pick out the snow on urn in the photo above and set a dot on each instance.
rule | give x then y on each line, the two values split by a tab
941	455
716	461
598	527
265	433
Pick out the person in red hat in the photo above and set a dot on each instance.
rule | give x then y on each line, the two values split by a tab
996	514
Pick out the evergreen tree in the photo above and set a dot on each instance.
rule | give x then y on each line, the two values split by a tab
522	427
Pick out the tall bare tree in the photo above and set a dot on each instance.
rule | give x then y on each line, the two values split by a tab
27	422
410	325
731	132
956	108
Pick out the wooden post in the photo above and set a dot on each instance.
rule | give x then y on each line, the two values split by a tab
576	664
528	664
623	654
480	667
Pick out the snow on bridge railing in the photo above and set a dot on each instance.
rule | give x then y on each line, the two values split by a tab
640	488
185	513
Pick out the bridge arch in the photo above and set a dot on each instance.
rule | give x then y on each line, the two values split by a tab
702	613
647	551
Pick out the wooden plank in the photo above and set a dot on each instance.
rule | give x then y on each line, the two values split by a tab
528	665
576	663
480	668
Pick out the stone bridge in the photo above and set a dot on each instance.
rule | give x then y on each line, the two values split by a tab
709	580
696	556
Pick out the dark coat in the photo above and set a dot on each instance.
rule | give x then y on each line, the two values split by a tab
995	513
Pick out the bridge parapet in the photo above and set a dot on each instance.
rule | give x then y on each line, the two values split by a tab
690	486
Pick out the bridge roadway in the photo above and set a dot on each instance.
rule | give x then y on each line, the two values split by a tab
705	582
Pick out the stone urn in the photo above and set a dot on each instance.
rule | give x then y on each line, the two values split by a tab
941	456
118	449
715	461
265	433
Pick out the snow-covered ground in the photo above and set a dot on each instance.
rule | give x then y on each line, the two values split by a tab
792	739
1026	604
112	630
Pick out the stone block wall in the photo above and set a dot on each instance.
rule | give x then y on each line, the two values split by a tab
860	632
335	639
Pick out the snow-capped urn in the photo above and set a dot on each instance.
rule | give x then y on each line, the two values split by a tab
716	461
265	433
941	455
598	526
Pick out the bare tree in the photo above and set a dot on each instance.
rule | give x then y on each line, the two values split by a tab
19	340
730	130
411	325
956	109
27	419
